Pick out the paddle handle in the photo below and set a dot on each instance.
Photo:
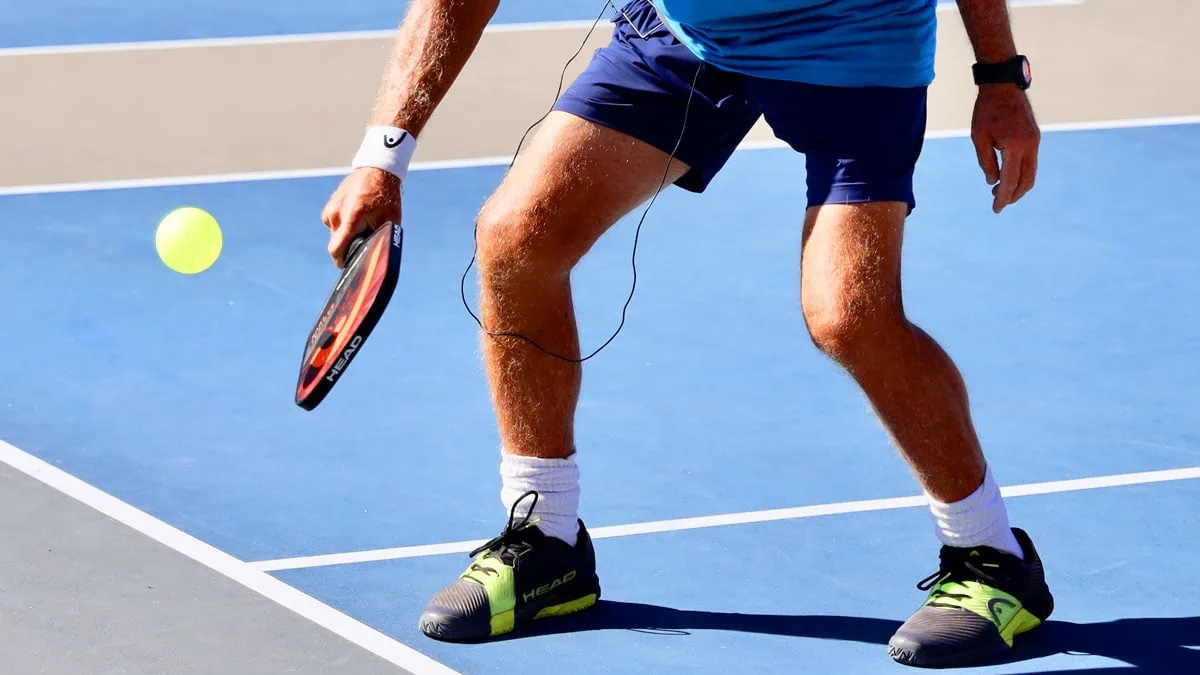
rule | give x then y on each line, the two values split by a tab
355	245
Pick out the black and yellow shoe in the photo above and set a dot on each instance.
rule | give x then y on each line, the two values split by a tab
979	600
515	579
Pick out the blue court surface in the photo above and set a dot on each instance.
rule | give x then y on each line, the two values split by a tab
71	22
1073	317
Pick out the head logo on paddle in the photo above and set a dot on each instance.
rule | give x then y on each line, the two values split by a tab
351	313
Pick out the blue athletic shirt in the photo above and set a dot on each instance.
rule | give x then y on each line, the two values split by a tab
839	43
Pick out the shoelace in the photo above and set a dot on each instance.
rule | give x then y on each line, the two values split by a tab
510	544
956	566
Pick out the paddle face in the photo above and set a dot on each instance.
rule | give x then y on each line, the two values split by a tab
354	307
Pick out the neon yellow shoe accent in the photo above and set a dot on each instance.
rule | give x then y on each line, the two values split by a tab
497	581
504	622
1004	611
1022	622
566	608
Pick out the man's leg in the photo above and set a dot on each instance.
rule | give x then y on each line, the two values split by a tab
572	183
575	180
852	302
990	585
862	146
604	151
854	310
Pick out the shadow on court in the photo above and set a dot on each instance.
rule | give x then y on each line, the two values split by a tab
1152	645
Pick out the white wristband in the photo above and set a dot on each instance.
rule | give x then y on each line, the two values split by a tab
387	148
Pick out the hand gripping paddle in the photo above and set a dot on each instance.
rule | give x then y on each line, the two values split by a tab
354	307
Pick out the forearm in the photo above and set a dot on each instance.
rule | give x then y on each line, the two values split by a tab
989	29
431	48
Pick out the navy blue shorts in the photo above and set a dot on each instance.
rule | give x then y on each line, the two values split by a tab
860	144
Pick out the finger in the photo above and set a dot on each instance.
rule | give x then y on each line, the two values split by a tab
1010	177
352	222
1028	176
329	214
985	151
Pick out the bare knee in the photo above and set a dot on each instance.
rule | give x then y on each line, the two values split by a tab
850	281
852	327
515	245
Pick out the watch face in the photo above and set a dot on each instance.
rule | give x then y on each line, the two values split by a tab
1026	72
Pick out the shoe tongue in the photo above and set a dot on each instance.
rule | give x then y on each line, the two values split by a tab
971	564
975	554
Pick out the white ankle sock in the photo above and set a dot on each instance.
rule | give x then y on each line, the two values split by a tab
557	483
980	519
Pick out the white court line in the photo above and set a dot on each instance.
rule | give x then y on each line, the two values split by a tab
256	580
733	519
344	36
501	160
239	177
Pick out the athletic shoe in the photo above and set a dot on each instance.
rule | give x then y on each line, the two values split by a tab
979	600
515	579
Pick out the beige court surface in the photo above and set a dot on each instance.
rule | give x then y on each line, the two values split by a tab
265	107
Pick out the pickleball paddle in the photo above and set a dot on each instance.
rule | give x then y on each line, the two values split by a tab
353	309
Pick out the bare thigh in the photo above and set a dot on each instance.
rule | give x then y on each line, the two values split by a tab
570	184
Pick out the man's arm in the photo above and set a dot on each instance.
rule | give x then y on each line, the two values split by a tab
430	50
1003	119
989	29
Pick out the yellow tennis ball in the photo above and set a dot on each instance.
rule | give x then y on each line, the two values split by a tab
188	240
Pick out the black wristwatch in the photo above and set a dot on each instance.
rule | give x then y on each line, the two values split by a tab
1013	71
